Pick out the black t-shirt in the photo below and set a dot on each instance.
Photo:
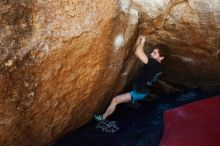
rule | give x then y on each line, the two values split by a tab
148	75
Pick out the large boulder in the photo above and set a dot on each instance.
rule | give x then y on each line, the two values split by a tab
60	62
191	31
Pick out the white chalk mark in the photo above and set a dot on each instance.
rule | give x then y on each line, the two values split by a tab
119	41
124	74
124	5
45	48
134	16
185	59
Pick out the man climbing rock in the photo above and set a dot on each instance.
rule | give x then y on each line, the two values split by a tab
146	77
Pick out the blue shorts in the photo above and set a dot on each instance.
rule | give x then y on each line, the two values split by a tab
135	95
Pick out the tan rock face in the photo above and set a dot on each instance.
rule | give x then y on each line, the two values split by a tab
61	61
191	31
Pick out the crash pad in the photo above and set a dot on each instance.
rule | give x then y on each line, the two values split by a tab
193	124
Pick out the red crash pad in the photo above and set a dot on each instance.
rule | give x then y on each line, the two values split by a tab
194	124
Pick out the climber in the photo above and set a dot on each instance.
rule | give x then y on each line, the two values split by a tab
146	77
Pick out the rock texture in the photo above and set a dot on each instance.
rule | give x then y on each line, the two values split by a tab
61	61
191	31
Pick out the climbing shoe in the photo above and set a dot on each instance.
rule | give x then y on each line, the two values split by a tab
99	117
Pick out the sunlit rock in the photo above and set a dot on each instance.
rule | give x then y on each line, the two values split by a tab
61	61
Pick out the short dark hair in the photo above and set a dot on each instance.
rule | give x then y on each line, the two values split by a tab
163	50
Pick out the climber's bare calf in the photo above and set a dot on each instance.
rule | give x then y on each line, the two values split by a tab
123	98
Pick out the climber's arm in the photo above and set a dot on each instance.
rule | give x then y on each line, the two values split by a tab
139	52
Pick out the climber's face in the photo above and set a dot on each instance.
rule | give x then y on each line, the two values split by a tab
156	55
